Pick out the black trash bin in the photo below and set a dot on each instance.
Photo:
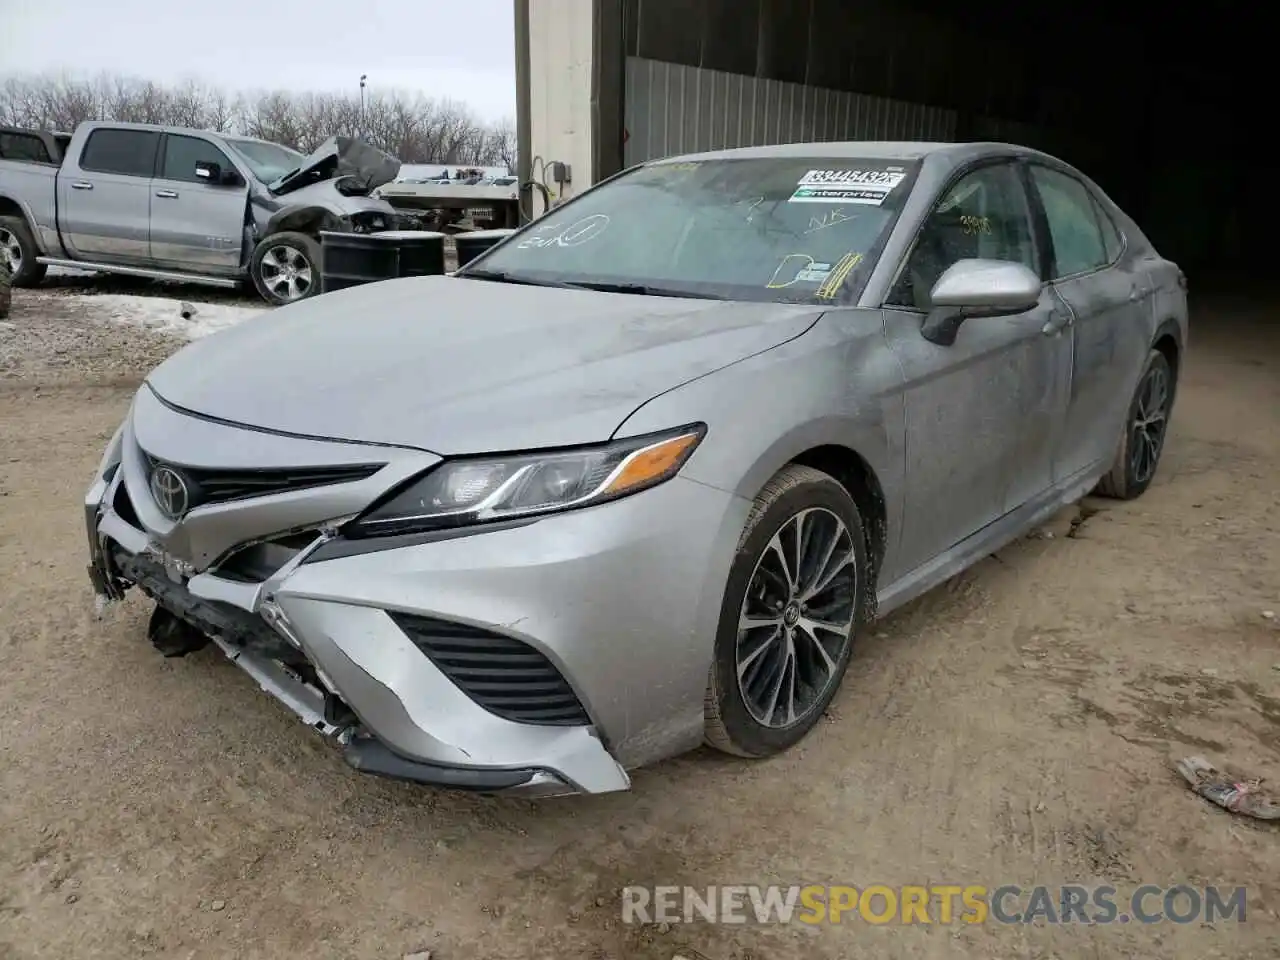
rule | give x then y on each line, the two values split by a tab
471	245
349	259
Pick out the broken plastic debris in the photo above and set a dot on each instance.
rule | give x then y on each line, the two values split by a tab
100	604
1236	794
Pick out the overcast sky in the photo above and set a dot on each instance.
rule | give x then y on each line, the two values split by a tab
448	49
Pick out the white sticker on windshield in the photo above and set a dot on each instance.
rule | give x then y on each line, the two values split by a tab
814	274
868	187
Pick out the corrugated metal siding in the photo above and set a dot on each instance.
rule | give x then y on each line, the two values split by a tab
673	109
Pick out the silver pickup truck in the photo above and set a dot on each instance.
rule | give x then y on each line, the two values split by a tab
177	204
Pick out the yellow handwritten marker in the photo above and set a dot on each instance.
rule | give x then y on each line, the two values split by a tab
831	286
825	289
773	283
844	273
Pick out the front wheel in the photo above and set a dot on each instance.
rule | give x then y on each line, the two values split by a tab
286	267
1144	432
789	612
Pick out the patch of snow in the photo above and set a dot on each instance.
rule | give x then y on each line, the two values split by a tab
70	272
164	315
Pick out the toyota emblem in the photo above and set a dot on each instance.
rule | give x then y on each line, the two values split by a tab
169	490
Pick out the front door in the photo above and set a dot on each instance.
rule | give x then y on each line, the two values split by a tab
984	414
1108	296
104	196
195	225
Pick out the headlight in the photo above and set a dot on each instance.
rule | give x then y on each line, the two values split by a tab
479	490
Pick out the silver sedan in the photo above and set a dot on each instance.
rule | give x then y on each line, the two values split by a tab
635	479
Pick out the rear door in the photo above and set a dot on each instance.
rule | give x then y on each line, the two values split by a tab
104	195
196	225
1109	299
983	414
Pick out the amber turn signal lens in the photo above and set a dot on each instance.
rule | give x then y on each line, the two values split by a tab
652	464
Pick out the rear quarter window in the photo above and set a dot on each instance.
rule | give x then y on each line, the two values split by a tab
23	146
1111	237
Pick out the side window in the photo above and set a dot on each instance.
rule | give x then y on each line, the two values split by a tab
181	154
1078	246
1111	238
983	215
23	146
130	152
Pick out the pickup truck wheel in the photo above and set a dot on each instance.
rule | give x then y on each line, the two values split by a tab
286	267
18	246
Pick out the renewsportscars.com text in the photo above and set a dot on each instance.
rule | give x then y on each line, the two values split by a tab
935	904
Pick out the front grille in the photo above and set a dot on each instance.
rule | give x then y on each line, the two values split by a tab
506	677
219	486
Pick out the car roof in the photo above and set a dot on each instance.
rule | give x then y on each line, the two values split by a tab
860	149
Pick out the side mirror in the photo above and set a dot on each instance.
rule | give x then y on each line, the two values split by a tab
209	172
978	288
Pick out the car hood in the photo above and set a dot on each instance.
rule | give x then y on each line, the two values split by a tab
360	167
459	366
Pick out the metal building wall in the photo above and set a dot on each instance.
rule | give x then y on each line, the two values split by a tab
560	50
671	109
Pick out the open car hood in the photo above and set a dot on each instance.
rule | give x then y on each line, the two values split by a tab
360	168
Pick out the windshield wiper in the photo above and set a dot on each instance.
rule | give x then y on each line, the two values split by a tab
602	286
501	276
642	289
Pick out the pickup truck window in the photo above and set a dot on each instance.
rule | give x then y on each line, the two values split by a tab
181	154
23	146
267	161
129	152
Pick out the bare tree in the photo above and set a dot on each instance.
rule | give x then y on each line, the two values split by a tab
412	127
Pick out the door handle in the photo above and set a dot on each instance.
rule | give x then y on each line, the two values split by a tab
1057	321
82	185
167	194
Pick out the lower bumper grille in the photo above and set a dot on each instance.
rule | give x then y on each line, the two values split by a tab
505	676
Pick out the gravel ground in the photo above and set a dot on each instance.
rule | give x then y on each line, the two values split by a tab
1016	725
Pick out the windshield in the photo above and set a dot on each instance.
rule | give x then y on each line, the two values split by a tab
268	161
804	229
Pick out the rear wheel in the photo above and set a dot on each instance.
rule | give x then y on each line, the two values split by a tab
18	247
1144	432
788	615
286	267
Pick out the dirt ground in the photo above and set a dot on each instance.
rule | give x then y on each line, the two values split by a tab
1017	725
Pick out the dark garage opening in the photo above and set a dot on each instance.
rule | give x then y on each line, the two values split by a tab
1160	107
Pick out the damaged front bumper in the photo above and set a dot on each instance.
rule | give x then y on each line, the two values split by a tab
346	670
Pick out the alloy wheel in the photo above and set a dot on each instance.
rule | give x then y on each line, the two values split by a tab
797	618
286	272
11	250
1149	423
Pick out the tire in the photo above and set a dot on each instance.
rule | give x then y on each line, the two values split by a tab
1132	471
734	717
15	234
291	249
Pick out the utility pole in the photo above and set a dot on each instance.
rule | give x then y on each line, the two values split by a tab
363	78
